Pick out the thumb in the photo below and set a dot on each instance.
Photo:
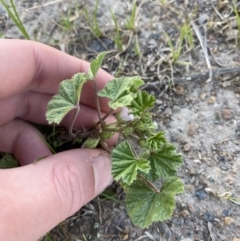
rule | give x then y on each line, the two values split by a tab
37	197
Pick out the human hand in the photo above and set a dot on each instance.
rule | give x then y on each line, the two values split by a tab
36	197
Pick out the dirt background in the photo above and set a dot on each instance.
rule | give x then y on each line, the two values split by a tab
201	117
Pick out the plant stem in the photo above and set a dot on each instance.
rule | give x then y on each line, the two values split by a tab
149	184
105	146
104	117
97	102
119	129
86	134
135	137
73	121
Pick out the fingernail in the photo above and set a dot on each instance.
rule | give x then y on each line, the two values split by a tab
102	172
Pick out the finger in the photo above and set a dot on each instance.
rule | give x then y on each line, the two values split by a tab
37	67
51	190
32	106
27	144
24	141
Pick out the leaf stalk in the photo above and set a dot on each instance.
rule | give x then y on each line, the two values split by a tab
73	121
148	183
97	102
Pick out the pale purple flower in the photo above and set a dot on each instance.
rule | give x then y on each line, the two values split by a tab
124	115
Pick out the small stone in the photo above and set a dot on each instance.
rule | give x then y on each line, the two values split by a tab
123	235
227	212
209	217
178	221
208	190
185	213
191	130
226	84
236	239
229	180
165	230
203	96
168	112
159	102
187	147
152	42
224	167
221	158
179	90
228	220
212	100
176	108
203	18
227	114
191	208
201	194
196	161
192	171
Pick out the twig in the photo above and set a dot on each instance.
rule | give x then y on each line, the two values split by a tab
204	48
233	71
216	72
220	15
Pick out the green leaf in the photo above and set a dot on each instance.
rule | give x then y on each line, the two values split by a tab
146	206
141	103
91	143
125	165
144	126
143	143
121	91
164	163
156	141
96	64
8	161
127	131
67	99
107	135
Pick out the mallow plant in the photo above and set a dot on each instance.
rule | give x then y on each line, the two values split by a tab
144	163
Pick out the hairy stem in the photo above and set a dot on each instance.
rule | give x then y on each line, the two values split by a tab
105	146
97	103
104	117
116	129
88	133
134	137
73	121
149	184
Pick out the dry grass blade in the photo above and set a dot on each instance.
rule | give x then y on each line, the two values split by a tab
204	48
44	5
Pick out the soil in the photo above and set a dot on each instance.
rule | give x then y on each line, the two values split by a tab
201	116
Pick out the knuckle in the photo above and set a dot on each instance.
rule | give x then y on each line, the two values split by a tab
67	186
